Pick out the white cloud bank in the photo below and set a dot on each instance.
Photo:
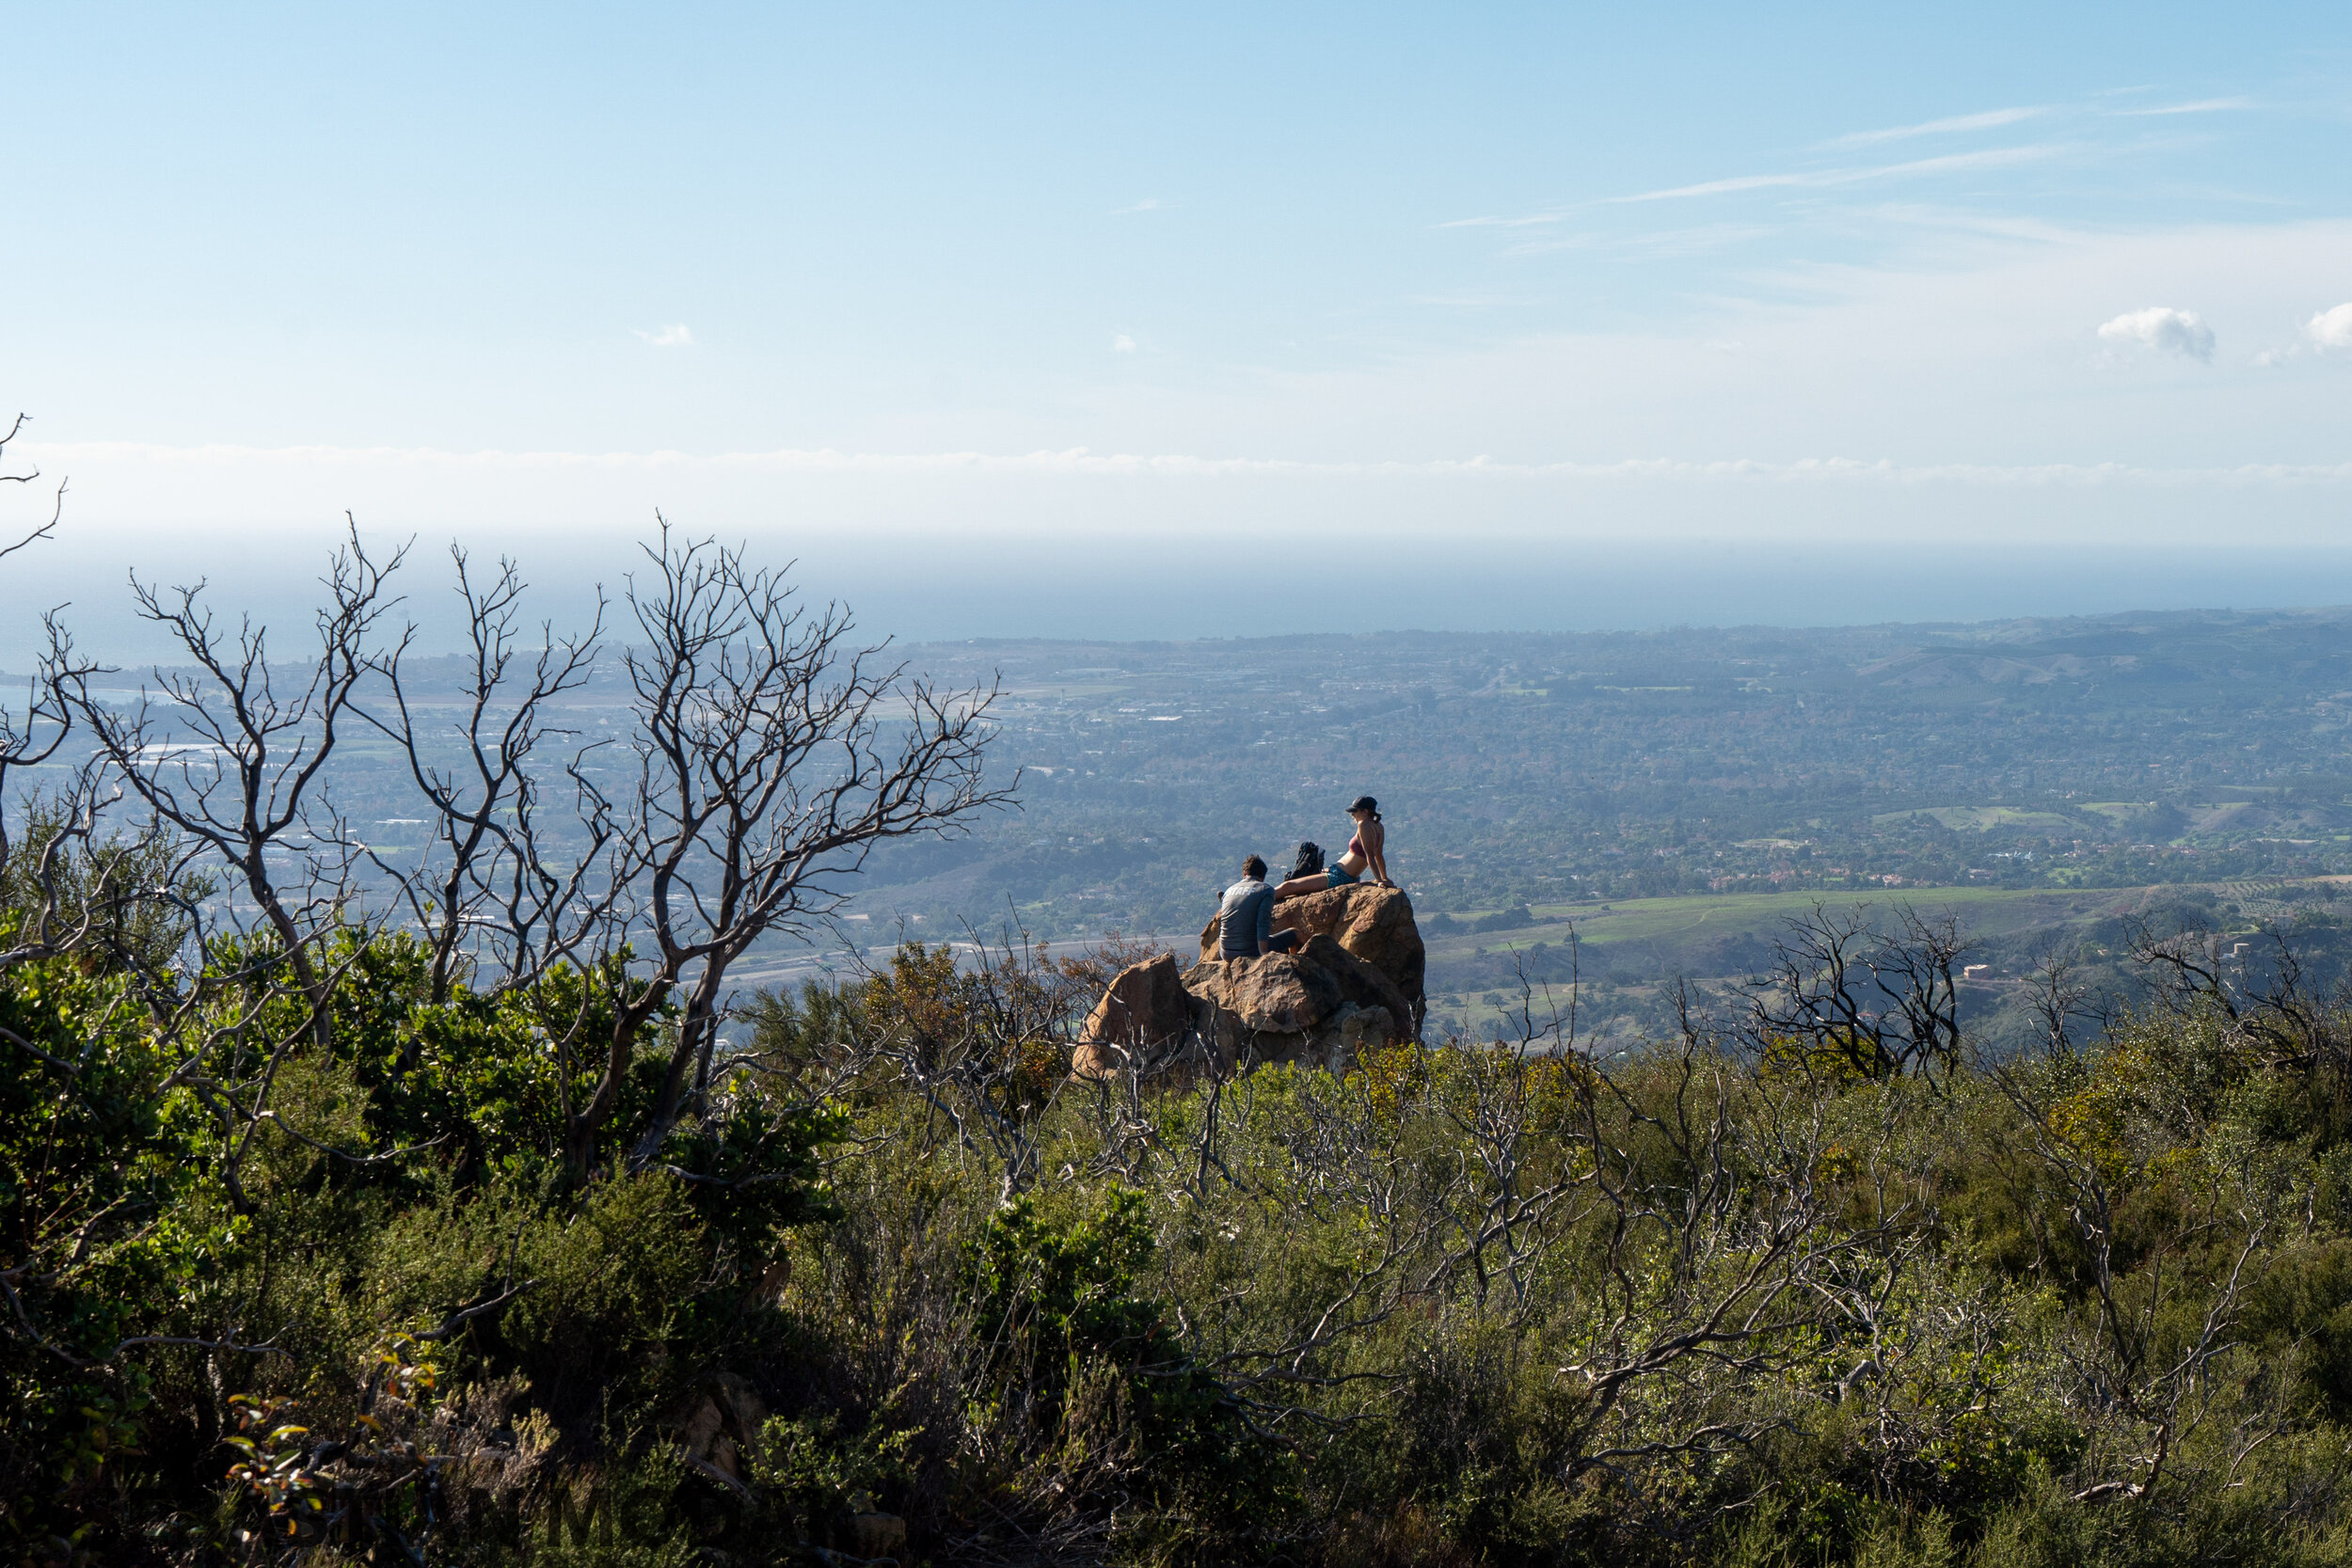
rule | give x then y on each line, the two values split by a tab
2164	330
2332	328
1058	497
670	336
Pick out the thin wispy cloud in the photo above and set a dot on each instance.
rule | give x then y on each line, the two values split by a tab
669	336
1738	182
1987	121
2164	330
1695	241
1529	220
1122	344
2202	107
1998	157
1149	204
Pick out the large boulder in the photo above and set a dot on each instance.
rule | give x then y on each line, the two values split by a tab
1282	993
1146	1019
1321	1004
1374	924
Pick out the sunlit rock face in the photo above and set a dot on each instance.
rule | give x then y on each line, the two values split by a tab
1355	983
1376	923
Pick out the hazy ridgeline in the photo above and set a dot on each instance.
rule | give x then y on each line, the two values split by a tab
444	1197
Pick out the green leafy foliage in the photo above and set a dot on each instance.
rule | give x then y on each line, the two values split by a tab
896	1287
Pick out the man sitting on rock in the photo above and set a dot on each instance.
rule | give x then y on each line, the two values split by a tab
1244	920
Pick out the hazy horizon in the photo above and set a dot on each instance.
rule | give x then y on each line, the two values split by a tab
1263	592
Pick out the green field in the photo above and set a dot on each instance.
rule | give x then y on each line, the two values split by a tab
1682	936
1983	910
1649	919
1981	819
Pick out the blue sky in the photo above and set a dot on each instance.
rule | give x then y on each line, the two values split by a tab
1082	287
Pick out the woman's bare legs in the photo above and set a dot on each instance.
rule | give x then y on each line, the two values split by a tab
1314	882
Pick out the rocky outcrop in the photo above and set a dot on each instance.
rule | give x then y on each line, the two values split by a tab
1324	1003
1295	992
1147	1021
1374	924
1321	1004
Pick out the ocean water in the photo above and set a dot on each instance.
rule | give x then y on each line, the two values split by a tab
1152	588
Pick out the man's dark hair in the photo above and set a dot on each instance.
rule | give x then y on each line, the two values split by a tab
1253	866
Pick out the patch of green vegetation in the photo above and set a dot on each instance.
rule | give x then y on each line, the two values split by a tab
904	1289
1983	818
1645	919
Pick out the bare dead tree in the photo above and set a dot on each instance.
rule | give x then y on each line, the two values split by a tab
1517	1200
79	891
2057	1000
2123	1380
80	888
1715	1239
84	892
985	1044
30	734
1815	993
243	786
57	507
1881	1002
1915	970
2188	968
772	755
488	866
2271	1004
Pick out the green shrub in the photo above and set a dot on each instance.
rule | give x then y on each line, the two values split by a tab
1294	1318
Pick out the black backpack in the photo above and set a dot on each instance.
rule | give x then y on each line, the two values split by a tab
1309	860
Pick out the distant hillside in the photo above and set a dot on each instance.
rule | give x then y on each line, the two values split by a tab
2049	757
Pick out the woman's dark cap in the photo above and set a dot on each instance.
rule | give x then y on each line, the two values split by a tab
1365	802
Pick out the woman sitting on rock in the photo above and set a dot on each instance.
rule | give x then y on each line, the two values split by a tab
1367	851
